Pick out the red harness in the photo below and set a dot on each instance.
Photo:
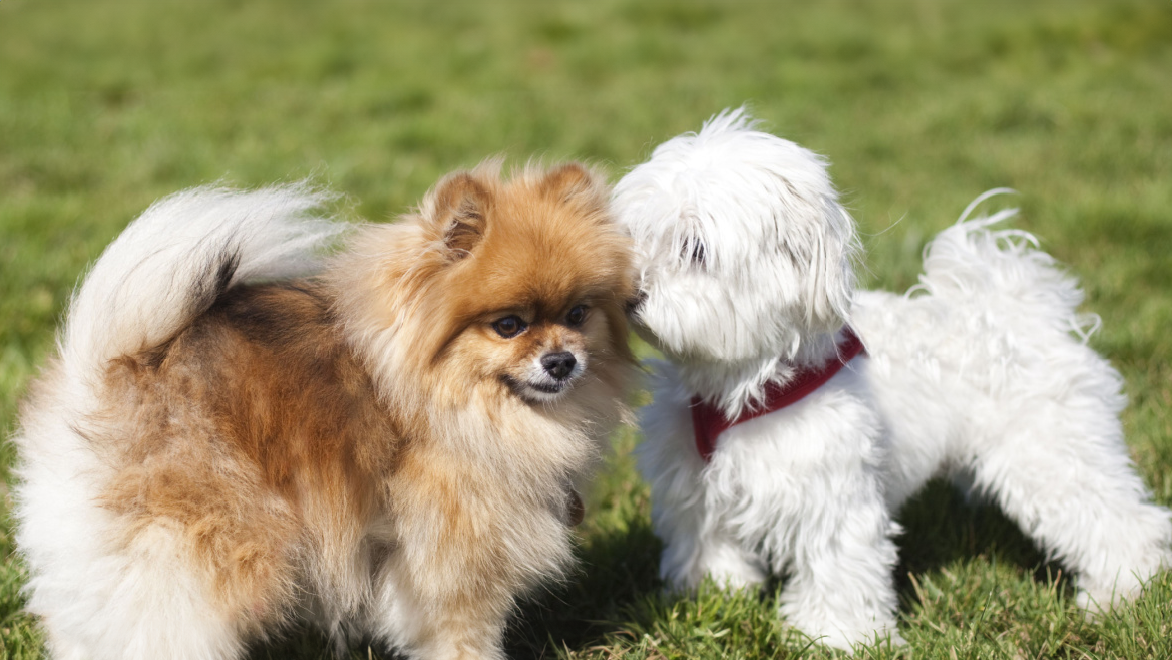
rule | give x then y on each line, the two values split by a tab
709	422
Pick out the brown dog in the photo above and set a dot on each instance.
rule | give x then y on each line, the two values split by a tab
387	448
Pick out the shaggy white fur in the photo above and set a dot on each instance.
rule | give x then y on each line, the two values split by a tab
980	373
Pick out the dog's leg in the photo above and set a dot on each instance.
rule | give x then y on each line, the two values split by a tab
839	588
722	558
144	603
427	632
169	560
813	480
433	604
463	551
1064	476
696	542
432	614
697	545
435	610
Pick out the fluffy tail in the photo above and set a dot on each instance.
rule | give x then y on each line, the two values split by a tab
983	269
171	263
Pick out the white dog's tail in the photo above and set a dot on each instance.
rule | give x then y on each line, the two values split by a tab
981	268
171	263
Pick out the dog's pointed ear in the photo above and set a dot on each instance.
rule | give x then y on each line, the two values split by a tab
567	182
459	209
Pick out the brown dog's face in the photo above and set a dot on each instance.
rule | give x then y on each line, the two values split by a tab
537	353
528	296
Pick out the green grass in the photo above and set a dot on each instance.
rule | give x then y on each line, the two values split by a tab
920	104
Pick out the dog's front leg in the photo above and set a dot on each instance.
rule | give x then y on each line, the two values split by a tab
698	544
452	571
840	553
840	587
430	613
805	485
684	513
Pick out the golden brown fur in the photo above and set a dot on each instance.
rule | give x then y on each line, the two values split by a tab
365	445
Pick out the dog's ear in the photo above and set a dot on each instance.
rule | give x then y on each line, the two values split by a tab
567	182
460	206
830	275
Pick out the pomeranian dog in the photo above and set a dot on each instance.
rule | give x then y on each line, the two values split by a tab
237	435
797	414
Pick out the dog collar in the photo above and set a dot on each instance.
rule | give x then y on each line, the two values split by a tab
709	421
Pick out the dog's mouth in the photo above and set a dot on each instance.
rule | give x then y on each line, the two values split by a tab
547	377
545	390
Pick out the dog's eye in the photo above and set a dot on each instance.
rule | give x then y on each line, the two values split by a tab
576	315
509	326
693	250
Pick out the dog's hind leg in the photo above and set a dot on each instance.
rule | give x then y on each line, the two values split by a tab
113	577
1062	472
144	602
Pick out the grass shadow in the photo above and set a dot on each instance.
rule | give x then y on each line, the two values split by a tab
942	528
617	568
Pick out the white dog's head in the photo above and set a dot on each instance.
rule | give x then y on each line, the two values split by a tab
743	248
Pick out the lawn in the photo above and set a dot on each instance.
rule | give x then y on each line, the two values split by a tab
920	105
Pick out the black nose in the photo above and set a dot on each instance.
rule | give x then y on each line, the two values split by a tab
559	365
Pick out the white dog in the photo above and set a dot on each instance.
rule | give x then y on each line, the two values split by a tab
777	444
